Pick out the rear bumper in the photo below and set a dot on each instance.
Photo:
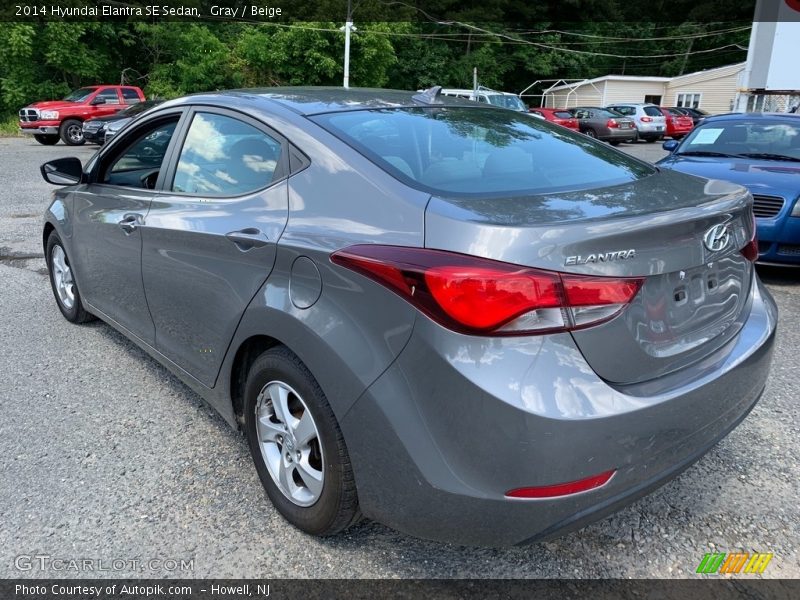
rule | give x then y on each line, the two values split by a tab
40	130
651	129
456	421
622	135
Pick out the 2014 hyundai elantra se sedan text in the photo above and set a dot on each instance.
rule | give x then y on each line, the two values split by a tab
454	319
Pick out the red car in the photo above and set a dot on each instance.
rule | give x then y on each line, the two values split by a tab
63	119
560	116
678	124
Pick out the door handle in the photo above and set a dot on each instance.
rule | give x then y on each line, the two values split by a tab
248	238
130	222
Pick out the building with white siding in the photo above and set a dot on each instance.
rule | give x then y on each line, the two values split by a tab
712	90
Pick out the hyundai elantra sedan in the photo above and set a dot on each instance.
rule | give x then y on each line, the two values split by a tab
451	318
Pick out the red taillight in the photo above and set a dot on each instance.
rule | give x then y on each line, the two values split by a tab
562	489
750	250
480	296
646	119
612	123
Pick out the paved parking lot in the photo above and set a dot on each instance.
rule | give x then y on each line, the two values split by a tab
105	455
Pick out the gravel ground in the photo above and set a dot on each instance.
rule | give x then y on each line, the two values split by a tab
105	455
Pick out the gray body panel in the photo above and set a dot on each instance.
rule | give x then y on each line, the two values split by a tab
439	425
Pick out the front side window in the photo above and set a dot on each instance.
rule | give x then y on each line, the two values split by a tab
223	156
480	151
109	95
140	162
624	110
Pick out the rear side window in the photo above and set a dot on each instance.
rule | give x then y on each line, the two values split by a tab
480	151
562	114
130	96
652	111
223	156
110	96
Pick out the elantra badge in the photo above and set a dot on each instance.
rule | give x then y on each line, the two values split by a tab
717	238
600	258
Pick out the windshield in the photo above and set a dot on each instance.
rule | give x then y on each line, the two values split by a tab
480	151
745	137
80	95
507	101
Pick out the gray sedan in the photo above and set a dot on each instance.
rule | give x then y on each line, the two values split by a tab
604	124
462	322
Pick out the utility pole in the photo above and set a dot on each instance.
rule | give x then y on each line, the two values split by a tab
348	27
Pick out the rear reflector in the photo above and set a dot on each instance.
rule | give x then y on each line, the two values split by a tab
750	250
563	489
480	296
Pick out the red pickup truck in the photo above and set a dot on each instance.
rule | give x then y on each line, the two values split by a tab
52	120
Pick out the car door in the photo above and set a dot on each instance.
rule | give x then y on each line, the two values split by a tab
109	213
210	236
111	104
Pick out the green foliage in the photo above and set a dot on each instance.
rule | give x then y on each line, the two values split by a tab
41	60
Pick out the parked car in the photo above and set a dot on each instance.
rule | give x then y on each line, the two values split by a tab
94	130
650	122
63	119
369	284
696	114
561	116
488	96
678	123
762	152
603	124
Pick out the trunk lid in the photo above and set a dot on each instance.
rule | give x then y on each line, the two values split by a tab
694	299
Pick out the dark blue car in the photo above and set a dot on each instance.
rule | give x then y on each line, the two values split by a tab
760	151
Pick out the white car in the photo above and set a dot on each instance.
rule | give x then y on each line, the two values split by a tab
489	96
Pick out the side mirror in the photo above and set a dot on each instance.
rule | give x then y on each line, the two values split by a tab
670	145
98	100
63	171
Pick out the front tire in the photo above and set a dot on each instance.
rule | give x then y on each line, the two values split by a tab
297	445
46	140
591	133
71	132
62	281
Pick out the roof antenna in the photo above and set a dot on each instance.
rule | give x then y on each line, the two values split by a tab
429	96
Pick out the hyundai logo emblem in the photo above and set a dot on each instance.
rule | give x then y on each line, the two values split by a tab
717	238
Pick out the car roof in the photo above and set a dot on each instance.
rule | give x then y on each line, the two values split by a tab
315	100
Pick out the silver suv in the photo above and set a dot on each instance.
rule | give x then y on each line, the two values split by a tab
650	121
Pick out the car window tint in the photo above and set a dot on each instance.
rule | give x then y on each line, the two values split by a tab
562	114
466	151
624	110
130	96
109	95
139	163
223	156
652	111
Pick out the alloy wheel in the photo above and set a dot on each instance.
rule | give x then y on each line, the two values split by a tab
62	276
289	441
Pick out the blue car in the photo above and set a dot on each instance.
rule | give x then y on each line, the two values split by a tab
760	151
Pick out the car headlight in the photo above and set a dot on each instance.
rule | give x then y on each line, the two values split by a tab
49	115
796	209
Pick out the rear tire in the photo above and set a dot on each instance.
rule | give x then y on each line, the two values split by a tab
46	140
300	440
62	281
71	132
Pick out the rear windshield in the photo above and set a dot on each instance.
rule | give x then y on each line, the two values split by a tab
562	114
480	151
653	111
